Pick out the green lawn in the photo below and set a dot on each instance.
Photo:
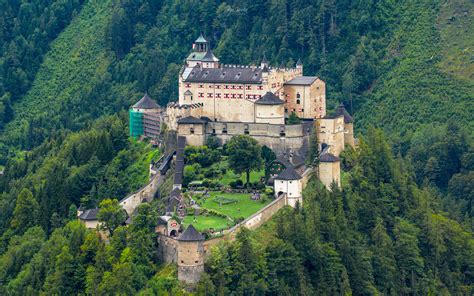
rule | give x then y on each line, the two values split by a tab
245	204
206	222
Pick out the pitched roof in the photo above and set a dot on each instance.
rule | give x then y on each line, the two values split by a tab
302	80
328	157
196	56
209	57
225	74
299	63
191	120
191	235
90	214
341	110
288	174
264	59
188	93
269	99
200	39
146	103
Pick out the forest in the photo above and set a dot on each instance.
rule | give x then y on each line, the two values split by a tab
401	224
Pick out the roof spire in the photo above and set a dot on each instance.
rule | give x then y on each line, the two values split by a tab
299	63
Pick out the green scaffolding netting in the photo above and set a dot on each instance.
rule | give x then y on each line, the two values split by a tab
136	123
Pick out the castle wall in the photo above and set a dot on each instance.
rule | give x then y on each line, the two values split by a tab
292	188
167	249
277	137
329	172
349	134
147	192
194	133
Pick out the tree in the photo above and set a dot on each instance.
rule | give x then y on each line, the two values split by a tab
111	214
245	155
293	119
26	211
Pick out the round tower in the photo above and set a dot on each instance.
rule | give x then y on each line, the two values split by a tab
269	109
190	256
289	182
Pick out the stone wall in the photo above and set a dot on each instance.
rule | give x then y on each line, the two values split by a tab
252	222
146	193
167	249
277	137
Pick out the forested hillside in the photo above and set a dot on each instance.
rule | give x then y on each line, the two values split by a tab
402	223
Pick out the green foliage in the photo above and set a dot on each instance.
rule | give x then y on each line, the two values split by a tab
26	212
111	215
245	155
293	119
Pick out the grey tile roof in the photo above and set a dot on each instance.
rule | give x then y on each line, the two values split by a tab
302	80
209	57
299	63
225	74
191	120
190	235
328	157
196	56
90	214
146	103
288	174
269	99
341	110
175	192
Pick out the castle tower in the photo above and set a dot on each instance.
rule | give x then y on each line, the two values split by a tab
201	44
269	109
289	182
190	256
329	169
264	62
145	118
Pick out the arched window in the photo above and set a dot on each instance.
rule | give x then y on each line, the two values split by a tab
298	95
298	101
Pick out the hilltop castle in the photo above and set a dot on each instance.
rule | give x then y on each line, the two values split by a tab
217	100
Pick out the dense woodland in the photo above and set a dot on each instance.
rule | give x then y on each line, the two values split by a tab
402	223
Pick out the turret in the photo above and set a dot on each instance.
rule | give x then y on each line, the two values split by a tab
201	44
299	66
190	256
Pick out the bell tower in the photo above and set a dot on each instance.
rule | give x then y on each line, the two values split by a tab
201	44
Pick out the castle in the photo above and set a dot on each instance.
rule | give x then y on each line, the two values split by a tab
221	101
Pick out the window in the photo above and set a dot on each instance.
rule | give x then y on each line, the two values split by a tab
218	95
218	86
226	96
241	87
260	87
226	86
298	95
188	85
191	130
201	95
191	98
248	87
298	101
209	95
233	86
241	96
201	86
286	110
211	86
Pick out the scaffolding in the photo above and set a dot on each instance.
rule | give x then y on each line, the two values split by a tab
136	123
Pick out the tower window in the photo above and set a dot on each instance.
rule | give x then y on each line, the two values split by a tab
298	101
298	95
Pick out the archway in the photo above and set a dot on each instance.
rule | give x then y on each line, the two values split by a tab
280	193
173	233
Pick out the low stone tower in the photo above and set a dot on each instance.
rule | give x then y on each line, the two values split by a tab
348	125
329	169
190	256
